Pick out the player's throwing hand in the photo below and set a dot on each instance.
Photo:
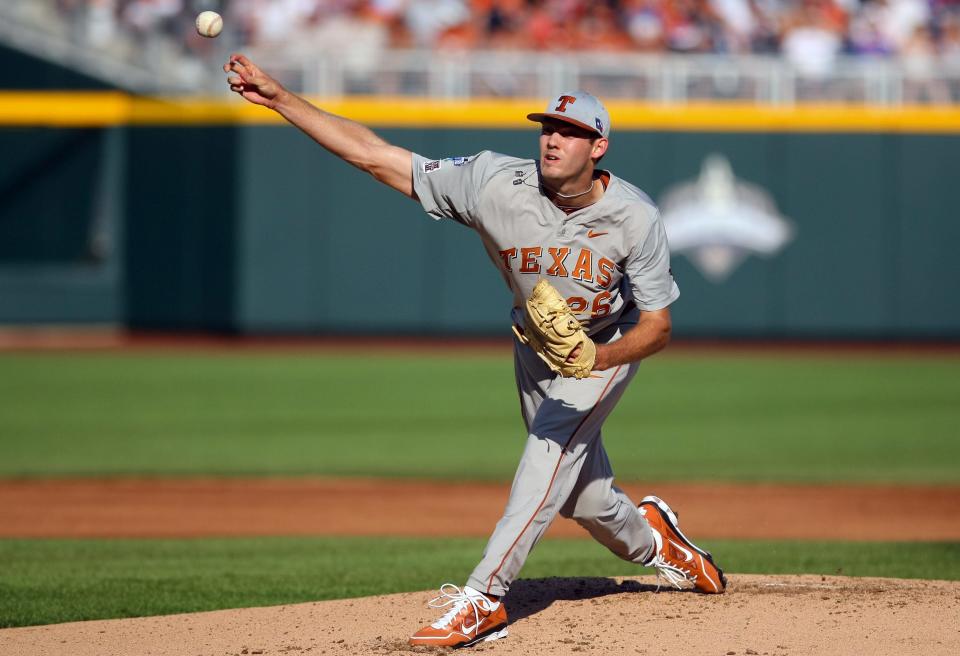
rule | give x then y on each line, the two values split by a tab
251	83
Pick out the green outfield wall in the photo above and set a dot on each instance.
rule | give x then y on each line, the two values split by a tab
237	225
62	194
24	71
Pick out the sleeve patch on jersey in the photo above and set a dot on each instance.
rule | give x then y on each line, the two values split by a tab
457	161
432	166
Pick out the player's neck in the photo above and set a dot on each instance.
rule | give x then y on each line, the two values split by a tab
575	194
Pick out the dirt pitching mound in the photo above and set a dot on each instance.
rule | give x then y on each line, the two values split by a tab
769	615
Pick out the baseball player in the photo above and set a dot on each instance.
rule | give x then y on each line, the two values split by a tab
586	257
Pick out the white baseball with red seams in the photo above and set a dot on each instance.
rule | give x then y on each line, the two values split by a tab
209	24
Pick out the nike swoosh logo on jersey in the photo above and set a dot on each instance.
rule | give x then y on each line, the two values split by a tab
686	552
592	233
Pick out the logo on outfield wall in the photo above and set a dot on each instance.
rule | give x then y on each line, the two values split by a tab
718	221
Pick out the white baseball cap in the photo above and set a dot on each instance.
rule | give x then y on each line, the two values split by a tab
579	108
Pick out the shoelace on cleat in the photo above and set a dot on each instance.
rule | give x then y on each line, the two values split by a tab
452	594
674	574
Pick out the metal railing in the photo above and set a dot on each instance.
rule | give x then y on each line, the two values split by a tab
149	66
655	78
154	64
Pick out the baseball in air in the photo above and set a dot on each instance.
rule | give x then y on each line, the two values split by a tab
209	24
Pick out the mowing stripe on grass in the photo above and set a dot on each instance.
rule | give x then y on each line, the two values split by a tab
816	419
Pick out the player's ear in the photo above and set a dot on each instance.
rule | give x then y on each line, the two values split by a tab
599	148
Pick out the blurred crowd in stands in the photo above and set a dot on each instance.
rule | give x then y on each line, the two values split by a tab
921	36
808	31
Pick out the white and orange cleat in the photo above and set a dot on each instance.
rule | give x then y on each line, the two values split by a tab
472	618
676	558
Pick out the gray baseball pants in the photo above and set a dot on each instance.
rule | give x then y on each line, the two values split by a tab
564	469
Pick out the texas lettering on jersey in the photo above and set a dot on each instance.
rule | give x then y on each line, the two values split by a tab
561	262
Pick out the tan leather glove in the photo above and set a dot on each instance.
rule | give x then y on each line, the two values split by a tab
552	330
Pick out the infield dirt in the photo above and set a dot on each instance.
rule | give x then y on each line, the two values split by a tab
768	615
762	615
129	507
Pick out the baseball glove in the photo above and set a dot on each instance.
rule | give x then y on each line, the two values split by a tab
551	329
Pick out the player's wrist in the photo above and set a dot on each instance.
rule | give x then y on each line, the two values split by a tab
602	360
283	101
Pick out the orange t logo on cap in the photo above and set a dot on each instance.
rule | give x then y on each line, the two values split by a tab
562	107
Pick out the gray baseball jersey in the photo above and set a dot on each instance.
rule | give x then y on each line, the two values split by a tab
604	259
609	260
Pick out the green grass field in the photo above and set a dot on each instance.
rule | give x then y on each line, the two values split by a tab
823	418
815	418
48	581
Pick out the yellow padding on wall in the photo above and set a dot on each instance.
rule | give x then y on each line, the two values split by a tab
104	109
63	109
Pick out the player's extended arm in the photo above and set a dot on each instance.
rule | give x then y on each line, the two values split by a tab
348	140
650	335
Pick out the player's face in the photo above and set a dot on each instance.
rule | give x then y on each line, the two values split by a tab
567	151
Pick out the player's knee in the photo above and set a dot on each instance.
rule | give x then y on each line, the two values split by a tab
589	509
